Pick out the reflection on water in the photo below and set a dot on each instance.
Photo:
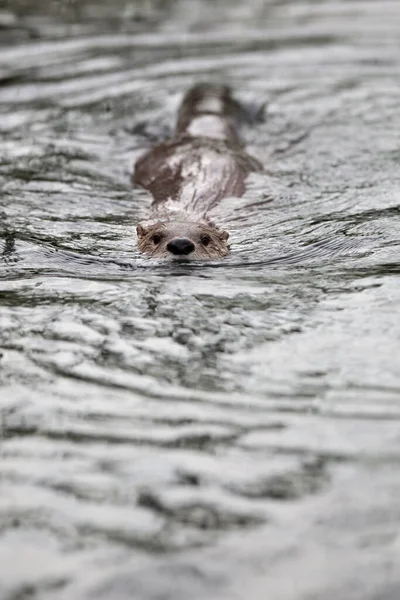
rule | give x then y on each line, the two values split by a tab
224	430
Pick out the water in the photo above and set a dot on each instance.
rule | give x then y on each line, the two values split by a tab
226	430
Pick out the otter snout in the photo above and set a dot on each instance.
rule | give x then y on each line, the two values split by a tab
180	246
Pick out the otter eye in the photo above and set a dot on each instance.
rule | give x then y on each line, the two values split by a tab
205	240
156	238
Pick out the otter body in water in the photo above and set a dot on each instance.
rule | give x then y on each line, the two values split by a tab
190	173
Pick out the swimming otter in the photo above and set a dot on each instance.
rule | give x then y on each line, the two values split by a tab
190	173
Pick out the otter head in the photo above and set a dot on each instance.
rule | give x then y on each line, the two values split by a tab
183	240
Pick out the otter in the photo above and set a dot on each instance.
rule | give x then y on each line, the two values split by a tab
190	173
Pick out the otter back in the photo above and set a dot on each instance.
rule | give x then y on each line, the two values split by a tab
210	110
204	161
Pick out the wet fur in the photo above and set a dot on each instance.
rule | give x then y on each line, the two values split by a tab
190	173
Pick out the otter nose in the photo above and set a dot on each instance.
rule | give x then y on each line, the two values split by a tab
180	246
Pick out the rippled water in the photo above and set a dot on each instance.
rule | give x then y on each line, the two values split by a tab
226	430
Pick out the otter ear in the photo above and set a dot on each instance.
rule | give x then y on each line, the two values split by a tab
223	235
141	231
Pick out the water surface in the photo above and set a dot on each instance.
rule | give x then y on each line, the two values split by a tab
226	430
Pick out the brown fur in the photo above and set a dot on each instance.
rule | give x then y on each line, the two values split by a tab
209	241
203	163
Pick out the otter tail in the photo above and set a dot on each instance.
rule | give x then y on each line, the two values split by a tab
210	110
